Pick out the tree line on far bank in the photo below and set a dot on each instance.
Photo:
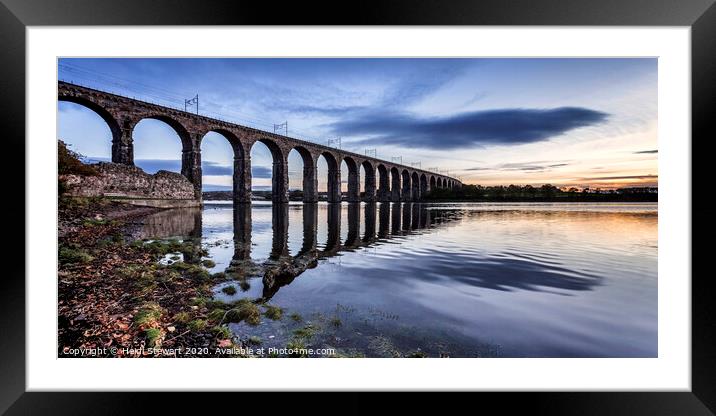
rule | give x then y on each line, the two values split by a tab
511	193
544	193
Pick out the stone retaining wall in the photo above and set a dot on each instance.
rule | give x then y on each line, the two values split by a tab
120	181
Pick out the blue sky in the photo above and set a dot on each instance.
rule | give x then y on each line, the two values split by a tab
570	122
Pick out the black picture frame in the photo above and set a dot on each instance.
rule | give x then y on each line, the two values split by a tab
16	15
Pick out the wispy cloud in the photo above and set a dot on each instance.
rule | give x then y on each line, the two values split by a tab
520	167
212	168
608	178
641	152
261	172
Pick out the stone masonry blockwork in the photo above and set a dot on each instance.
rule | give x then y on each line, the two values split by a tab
125	181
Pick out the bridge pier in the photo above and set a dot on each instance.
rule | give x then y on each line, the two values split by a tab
353	185
384	187
242	178
334	184
279	179
123	147
406	194
191	168
369	190
395	186
415	182
310	183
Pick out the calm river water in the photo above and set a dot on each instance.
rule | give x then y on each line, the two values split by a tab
457	280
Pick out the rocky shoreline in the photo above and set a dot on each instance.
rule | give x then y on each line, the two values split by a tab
115	300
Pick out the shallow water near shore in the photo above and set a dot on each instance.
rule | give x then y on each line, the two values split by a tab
453	279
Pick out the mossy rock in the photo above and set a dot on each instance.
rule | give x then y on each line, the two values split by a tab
182	317
222	332
68	255
152	335
229	290
273	312
197	324
148	314
306	332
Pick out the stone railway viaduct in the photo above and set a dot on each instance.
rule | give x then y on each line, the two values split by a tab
397	182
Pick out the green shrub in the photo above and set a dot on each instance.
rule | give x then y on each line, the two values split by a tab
69	163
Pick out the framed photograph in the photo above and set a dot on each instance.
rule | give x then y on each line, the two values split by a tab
473	185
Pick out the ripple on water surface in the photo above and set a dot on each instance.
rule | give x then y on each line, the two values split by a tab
540	280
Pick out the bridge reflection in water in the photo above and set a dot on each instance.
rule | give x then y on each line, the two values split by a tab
380	223
462	279
364	225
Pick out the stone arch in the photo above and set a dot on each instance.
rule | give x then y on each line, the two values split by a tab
121	146
334	176
230	137
279	170
432	182
190	152
177	126
310	178
423	185
369	186
383	193
406	190
353	179
239	189
395	184
415	186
